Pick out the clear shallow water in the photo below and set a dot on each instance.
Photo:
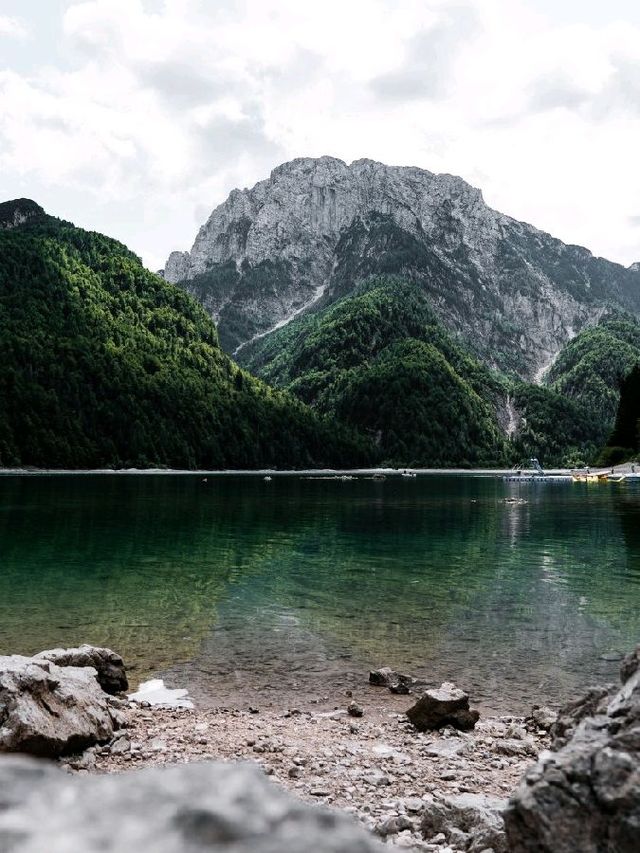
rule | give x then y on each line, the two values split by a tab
237	588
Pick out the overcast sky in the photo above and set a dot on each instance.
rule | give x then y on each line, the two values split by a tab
137	117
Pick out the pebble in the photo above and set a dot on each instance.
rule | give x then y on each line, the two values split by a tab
379	769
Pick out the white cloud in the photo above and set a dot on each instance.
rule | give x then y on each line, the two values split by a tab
12	27
158	109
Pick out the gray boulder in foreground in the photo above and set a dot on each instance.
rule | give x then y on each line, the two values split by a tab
180	809
446	705
586	796
112	676
52	710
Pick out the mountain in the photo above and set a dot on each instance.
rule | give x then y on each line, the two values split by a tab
379	360
591	367
107	364
308	234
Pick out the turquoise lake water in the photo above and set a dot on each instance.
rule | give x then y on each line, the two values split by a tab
239	585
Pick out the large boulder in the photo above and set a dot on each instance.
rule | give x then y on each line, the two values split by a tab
586	795
112	675
446	705
50	710
193	807
472	822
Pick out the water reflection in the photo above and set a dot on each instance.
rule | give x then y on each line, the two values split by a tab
515	590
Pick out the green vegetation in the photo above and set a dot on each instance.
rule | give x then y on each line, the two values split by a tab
556	429
106	364
379	361
591	367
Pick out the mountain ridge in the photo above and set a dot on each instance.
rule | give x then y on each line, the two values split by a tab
314	227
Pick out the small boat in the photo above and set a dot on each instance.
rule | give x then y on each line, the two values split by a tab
267	479
407	474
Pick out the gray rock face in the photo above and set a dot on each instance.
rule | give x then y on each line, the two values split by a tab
317	226
586	796
472	821
445	706
112	676
204	806
18	212
50	710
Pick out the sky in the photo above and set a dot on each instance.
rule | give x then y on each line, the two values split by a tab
137	117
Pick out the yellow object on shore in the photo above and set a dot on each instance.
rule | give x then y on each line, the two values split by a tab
590	478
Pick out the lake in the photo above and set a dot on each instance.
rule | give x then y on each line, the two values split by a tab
236	587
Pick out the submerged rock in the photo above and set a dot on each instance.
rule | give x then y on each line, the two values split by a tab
199	806
586	795
52	710
445	706
397	682
112	675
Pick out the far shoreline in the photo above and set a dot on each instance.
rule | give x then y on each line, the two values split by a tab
272	472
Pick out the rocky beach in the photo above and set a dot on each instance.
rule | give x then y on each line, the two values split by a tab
412	764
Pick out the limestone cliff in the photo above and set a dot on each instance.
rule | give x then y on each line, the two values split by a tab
315	227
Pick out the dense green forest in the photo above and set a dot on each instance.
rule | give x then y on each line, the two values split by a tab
591	367
381	361
106	364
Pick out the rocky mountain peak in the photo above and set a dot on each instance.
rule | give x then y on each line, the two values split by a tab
18	212
316	226
308	202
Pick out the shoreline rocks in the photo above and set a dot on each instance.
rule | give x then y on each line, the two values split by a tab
109	666
445	706
396	682
206	805
50	710
586	794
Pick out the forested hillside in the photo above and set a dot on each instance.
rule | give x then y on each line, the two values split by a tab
591	367
380	361
106	364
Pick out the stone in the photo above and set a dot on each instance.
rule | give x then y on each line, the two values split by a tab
395	681
51	710
447	747
472	822
542	718
585	794
594	701
206	805
112	675
444	706
355	710
630	664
